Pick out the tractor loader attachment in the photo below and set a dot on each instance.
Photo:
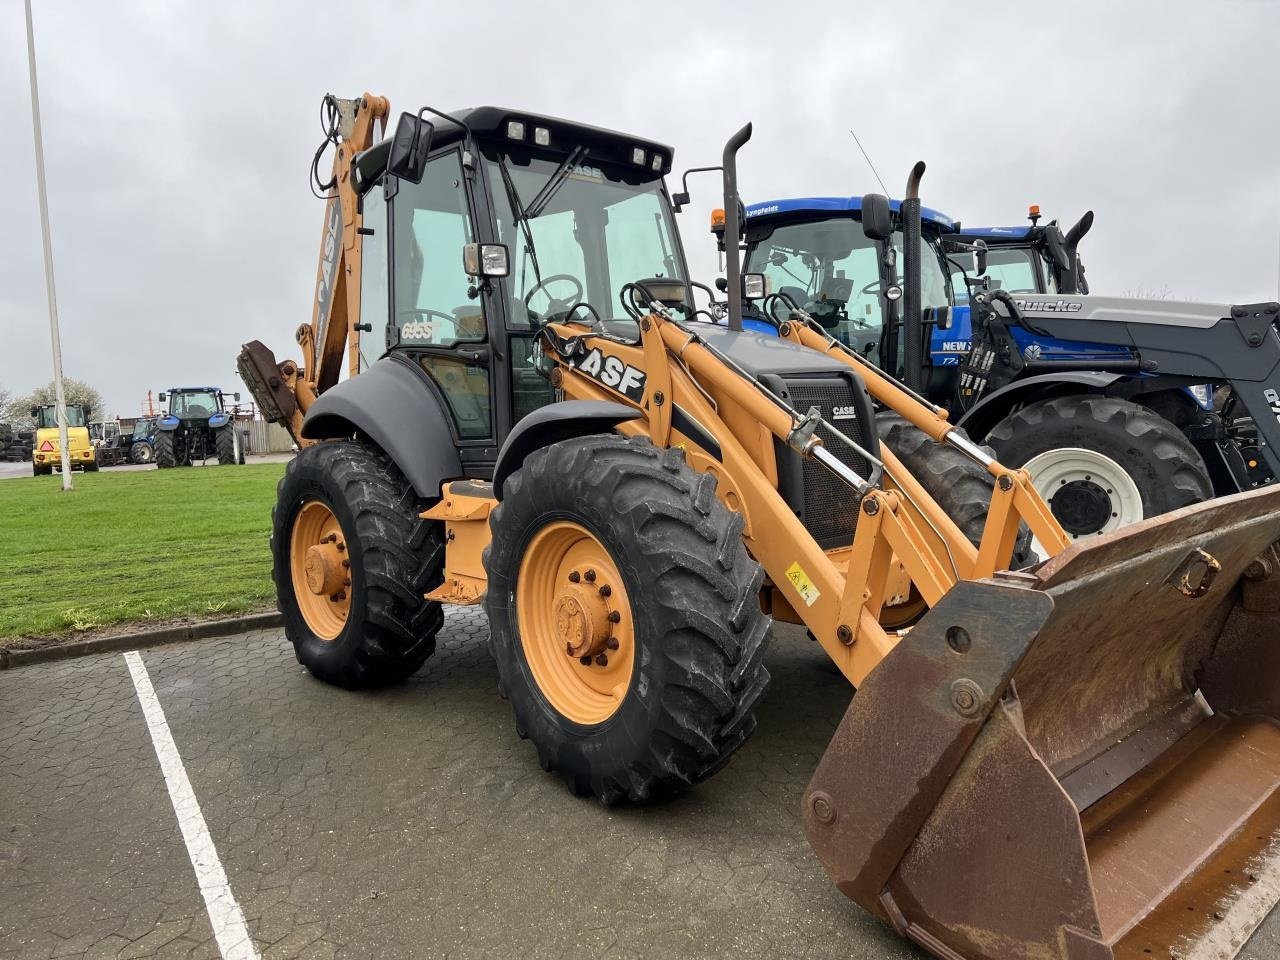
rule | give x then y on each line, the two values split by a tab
1080	762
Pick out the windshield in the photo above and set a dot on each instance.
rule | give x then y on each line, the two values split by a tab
601	229
47	417
1013	267
832	270
199	403
142	429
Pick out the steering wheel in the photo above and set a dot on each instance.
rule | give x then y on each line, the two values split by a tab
563	305
870	288
427	313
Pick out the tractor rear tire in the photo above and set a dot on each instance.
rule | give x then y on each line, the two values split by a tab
685	629
388	629
224	442
166	455
961	487
1120	461
39	471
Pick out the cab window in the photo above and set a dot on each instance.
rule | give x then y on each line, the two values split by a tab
374	308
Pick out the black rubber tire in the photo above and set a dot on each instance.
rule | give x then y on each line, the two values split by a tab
142	452
694	594
166	455
91	467
396	557
1164	465
960	486
224	442
39	471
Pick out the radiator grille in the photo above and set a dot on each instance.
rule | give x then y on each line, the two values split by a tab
830	508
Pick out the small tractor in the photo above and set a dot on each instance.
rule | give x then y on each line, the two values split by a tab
196	426
142	440
1121	409
1077	761
46	455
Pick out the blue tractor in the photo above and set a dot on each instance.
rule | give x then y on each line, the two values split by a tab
196	426
1121	409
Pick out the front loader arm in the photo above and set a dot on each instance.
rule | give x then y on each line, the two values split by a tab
285	390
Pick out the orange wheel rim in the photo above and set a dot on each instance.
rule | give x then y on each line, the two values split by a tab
320	569
575	623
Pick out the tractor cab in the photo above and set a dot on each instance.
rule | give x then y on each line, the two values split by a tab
1033	258
505	221
816	251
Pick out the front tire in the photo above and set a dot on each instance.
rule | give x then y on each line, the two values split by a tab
224	443
364	623
625	617
1102	463
166	454
141	453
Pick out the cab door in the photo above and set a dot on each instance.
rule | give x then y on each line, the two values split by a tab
437	319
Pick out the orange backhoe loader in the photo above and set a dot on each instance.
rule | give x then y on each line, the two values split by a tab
1078	761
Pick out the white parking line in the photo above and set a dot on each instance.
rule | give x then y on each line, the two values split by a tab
224	913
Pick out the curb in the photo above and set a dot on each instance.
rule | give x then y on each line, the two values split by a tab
146	638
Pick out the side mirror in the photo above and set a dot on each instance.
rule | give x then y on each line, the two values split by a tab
722	284
236	396
755	286
485	260
407	158
164	397
35	412
877	219
980	257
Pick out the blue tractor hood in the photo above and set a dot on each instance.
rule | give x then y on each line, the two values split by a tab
806	207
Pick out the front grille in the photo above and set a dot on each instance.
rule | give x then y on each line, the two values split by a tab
826	504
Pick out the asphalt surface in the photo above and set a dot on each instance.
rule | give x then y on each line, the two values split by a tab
11	470
411	822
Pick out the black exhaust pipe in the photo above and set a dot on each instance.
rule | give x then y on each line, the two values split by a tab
1073	277
912	321
733	225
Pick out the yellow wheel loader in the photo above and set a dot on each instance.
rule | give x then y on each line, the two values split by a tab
1076	761
46	447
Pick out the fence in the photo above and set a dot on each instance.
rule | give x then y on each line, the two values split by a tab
267	437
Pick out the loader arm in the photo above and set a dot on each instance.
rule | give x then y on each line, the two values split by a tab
284	391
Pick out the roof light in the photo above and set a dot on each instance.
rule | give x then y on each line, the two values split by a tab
717	220
637	156
656	164
515	129
542	136
1033	210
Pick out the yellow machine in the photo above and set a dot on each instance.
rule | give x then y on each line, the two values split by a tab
46	448
1074	761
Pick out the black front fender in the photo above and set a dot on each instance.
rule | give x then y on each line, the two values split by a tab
393	405
994	407
553	423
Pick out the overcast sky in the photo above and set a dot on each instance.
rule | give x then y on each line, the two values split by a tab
178	136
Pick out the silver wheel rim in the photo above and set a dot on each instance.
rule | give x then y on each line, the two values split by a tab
1052	470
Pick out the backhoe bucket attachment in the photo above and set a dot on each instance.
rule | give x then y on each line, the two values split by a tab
1076	763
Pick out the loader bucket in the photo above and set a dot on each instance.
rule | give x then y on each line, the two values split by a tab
1076	763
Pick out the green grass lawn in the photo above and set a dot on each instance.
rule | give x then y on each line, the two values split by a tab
134	546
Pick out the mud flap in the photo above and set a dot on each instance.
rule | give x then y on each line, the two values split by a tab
1077	763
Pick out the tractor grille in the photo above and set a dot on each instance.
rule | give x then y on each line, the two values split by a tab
828	506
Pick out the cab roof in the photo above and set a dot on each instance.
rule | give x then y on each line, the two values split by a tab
998	234
800	207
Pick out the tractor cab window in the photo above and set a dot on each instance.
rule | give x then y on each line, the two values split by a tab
600	227
432	224
47	418
193	405
374	306
934	287
1013	267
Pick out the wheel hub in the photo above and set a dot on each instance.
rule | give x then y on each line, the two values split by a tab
322	567
1082	506
583	618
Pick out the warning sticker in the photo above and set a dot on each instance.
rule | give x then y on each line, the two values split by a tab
47	445
804	586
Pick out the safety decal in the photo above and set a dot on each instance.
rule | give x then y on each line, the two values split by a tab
804	586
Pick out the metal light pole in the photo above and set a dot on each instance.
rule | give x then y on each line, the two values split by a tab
61	408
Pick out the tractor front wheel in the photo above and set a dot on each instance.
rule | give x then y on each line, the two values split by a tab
1102	463
224	443
352	561
141	452
166	454
624	616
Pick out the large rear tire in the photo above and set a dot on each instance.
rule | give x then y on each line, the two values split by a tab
1102	463
141	452
352	561
166	455
224	442
625	617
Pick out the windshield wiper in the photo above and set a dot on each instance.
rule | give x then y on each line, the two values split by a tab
517	211
539	203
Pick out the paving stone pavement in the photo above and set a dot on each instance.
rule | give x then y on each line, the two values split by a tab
410	822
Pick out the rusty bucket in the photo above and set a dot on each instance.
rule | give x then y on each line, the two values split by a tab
1076	763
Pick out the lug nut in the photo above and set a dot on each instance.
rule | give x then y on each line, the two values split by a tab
606	590
601	660
585	661
591	576
341	546
574	576
612	643
614	616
